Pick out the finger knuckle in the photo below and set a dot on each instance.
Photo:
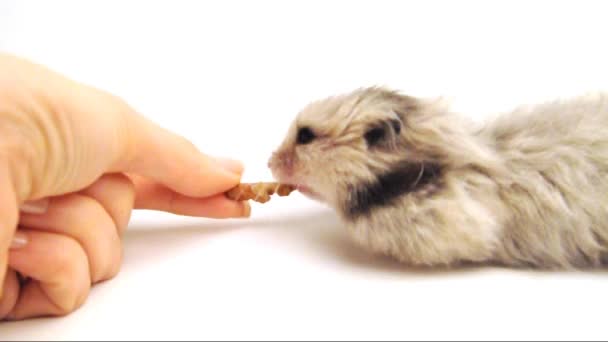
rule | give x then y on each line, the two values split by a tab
67	262
115	265
122	190
104	265
71	271
101	243
10	294
112	262
72	303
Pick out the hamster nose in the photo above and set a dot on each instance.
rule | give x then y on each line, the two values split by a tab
283	160
287	160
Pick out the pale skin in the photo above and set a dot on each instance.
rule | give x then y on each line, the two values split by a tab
74	162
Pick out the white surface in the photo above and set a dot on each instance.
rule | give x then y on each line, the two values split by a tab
226	74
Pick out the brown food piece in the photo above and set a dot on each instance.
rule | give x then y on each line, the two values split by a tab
259	192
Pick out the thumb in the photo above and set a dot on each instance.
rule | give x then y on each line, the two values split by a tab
86	132
173	161
9	215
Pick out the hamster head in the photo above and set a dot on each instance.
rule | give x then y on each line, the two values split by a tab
365	149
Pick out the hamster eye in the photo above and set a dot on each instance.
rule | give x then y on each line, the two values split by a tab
305	136
374	136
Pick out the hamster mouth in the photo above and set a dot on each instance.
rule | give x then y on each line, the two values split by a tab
300	186
308	192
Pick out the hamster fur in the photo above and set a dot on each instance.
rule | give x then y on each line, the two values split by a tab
414	181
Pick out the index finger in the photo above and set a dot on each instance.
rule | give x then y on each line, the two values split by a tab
153	196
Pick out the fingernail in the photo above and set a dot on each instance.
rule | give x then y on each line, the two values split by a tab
231	165
19	240
246	209
35	207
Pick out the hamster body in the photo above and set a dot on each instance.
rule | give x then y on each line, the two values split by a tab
414	181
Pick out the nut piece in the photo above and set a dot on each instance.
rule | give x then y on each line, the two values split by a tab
259	192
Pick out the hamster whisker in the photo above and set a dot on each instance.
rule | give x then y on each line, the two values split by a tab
415	184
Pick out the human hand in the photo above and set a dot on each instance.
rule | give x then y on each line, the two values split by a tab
82	159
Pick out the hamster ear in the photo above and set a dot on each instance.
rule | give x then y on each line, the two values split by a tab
396	125
383	134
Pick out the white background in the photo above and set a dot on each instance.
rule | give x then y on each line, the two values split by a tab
230	76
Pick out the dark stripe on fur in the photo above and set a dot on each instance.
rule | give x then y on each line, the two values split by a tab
388	187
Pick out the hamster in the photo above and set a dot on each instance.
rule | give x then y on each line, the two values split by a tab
414	181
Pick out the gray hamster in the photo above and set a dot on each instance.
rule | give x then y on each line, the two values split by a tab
412	180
